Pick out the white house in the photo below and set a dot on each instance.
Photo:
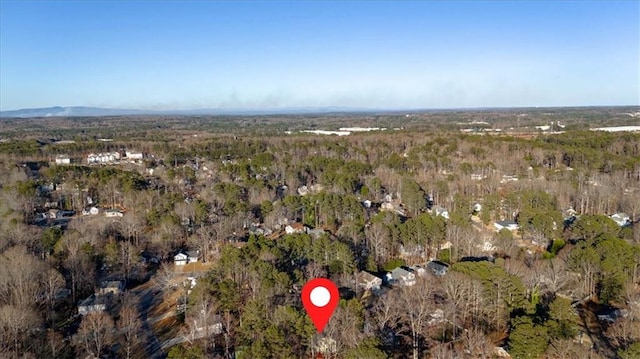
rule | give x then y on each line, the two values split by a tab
401	276
182	258
622	219
90	211
113	213
134	155
63	160
106	157
510	225
212	326
294	228
94	304
442	212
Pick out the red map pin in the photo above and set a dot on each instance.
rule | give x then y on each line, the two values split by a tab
320	297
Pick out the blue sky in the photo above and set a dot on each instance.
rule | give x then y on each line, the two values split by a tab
267	54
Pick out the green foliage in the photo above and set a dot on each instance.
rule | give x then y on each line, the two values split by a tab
631	352
184	351
497	283
25	148
235	198
589	227
563	320
26	188
425	229
413	196
527	339
505	235
280	335
49	239
556	246
611	259
444	255
368	349
393	264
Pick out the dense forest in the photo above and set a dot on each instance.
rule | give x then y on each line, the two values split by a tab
449	234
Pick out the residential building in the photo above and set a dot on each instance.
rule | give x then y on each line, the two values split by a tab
438	268
94	304
296	227
510	225
114	287
401	276
90	211
622	219
368	281
134	155
107	157
113	213
183	258
63	160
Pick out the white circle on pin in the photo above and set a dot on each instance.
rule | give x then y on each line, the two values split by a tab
320	296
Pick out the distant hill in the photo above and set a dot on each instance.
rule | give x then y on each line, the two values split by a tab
81	111
74	111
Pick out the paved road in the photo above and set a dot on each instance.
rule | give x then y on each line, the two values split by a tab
150	343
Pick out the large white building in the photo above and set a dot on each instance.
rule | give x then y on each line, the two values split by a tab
134	155
106	157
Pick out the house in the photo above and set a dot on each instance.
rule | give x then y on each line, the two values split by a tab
182	258
113	213
438	268
51	204
63	160
54	214
510	225
442	212
107	157
401	276
214	326
90	211
193	256
368	281
296	227
134	155
622	219
419	270
477	208
114	287
508	178
303	191
94	304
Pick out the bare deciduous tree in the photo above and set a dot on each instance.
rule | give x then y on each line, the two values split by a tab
15	322
96	331
408	309
377	236
52	282
128	325
20	276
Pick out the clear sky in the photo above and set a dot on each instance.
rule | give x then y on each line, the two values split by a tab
385	54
